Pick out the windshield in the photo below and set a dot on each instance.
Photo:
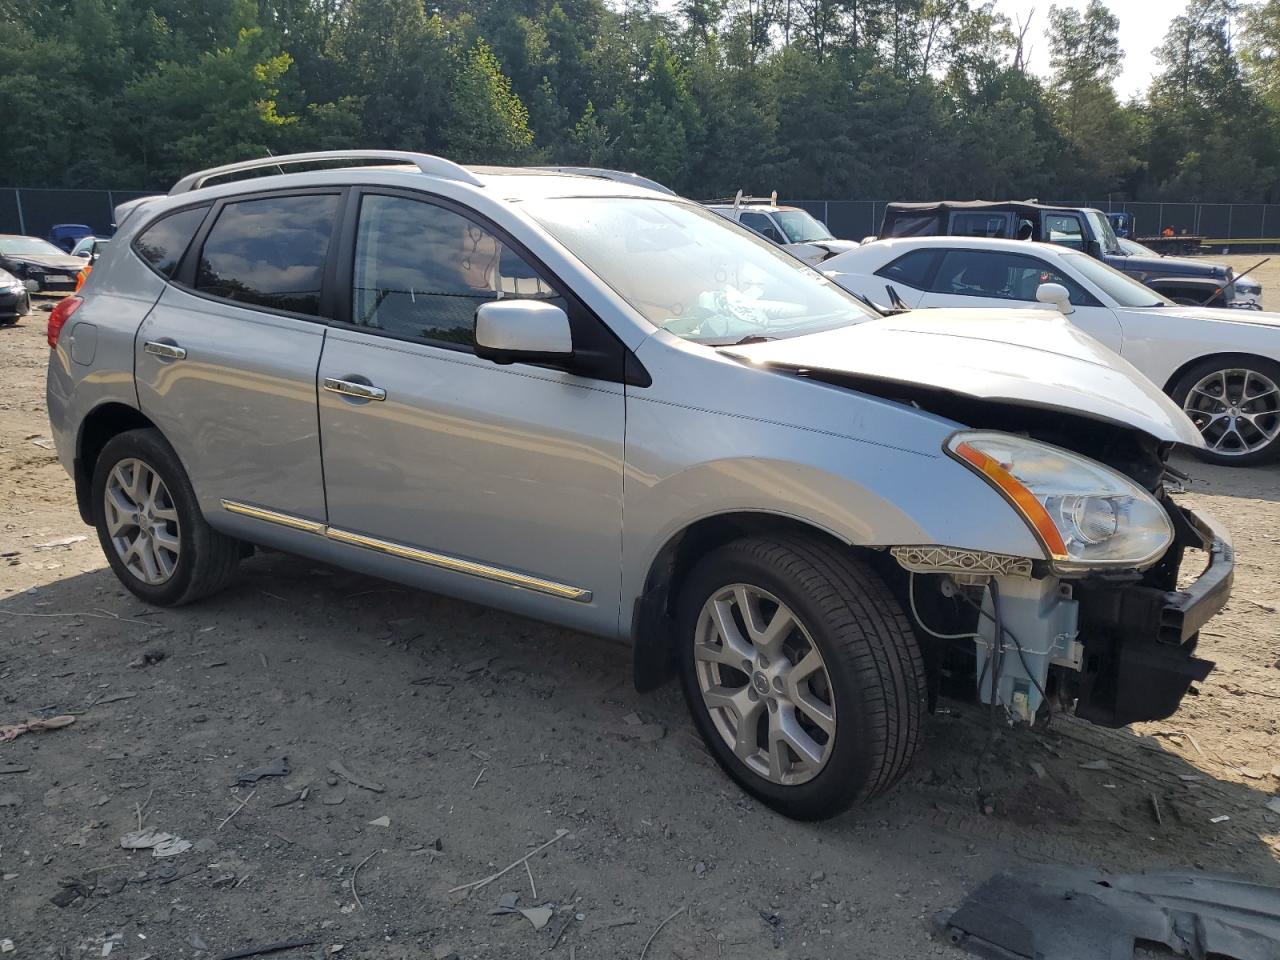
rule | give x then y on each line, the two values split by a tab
19	246
1124	290
1102	229
691	272
800	227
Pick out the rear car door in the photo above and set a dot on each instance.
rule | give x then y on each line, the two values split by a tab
226	360
995	278
501	484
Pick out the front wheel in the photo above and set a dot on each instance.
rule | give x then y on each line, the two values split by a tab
150	525
801	672
1235	404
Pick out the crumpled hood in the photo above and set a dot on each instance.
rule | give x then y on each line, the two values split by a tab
50	261
1030	358
814	252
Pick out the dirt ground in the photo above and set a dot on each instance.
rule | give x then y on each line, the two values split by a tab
480	736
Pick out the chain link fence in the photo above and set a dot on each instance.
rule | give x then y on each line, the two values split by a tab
34	211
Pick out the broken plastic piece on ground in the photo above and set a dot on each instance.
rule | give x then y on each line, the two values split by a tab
279	768
160	844
335	766
34	725
538	916
272	948
1069	913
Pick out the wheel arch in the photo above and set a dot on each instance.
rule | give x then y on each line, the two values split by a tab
652	627
1225	356
103	422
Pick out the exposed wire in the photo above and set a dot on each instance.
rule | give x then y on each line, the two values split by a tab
911	598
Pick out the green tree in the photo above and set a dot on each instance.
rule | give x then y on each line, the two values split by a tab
487	122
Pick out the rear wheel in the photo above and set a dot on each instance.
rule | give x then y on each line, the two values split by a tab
1235	404
801	672
150	525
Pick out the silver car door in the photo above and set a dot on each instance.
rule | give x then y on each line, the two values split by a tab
226	361
997	278
501	484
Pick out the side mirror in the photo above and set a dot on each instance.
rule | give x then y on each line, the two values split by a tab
1093	248
522	331
84	254
1056	294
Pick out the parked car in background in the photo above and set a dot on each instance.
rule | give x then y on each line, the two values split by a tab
1181	279
1248	290
39	264
795	230
90	248
609	408
15	301
1221	366
65	236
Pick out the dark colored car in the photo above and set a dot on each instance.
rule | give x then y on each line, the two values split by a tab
66	235
37	261
15	302
1182	279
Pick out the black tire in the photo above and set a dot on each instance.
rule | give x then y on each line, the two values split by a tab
206	558
877	675
1269	406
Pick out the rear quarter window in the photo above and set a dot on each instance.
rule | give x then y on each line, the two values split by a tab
162	244
913	269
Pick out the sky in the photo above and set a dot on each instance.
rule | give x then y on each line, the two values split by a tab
1142	26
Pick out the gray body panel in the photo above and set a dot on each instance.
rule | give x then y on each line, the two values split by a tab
514	466
240	409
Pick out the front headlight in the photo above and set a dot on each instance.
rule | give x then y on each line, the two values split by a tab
1086	515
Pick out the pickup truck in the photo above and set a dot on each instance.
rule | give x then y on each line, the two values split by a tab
1183	280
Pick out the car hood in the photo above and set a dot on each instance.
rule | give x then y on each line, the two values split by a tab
1256	318
1168	266
53	261
1028	358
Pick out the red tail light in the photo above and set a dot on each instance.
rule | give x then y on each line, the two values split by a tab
59	317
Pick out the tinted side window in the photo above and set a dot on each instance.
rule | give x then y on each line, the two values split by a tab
422	271
1001	276
1063	229
980	224
913	268
164	242
761	224
269	252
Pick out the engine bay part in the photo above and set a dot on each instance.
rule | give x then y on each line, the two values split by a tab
1074	913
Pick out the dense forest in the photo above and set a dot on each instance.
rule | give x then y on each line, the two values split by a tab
815	98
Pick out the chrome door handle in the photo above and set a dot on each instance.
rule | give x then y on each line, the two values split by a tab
169	351
349	388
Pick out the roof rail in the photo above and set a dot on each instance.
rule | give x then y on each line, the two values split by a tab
428	164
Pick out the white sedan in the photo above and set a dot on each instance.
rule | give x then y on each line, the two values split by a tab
1221	366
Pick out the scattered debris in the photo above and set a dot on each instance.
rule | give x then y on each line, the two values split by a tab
73	889
642	733
479	884
380	822
10	800
1038	769
1222	819
1066	913
1274	804
354	873
114	698
160	844
278	769
475	666
1155	808
148	658
1252	774
507	903
336	767
6	946
34	725
243	803
44	443
659	930
699	869
64	542
479	777
1189	777
301	795
538	916
1095	765
13	768
817	876
274	948
196	942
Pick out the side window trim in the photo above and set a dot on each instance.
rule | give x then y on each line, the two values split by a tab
185	275
930	275
613	361
133	244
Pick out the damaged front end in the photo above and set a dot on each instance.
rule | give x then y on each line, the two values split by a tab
1114	641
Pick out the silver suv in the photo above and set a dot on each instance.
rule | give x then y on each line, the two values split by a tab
612	409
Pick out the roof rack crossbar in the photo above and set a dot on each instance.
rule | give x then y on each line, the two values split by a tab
432	166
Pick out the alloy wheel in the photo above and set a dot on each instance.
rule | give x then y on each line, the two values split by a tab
142	521
765	684
1236	410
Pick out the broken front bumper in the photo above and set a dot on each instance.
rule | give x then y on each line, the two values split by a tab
1140	638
